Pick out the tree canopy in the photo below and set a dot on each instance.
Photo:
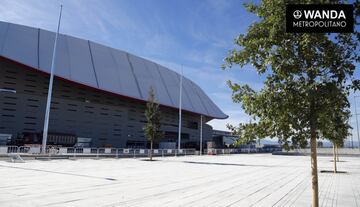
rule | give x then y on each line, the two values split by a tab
308	76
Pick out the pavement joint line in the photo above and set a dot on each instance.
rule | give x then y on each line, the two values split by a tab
258	181
257	190
180	184
275	190
292	189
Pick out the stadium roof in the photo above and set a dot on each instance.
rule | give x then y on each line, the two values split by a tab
102	67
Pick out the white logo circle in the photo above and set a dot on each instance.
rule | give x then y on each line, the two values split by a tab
297	14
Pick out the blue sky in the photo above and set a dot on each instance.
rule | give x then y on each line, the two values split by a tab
194	33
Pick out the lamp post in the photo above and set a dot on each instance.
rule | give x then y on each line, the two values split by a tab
201	133
357	121
180	104
352	139
48	103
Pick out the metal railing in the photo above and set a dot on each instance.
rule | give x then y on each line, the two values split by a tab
230	151
118	152
95	152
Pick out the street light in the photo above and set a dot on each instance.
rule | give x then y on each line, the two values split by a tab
352	139
48	100
357	121
201	134
180	105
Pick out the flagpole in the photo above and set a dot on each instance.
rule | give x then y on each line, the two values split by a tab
357	122
48	103
180	104
201	133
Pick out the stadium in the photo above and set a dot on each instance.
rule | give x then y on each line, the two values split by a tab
99	93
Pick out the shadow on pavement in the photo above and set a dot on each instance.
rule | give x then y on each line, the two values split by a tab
62	173
231	164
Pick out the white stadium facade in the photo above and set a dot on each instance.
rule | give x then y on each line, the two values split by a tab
99	93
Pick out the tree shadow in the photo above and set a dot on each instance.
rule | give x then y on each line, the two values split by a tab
148	160
228	164
331	171
61	173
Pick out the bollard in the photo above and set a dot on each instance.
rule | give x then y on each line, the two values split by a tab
134	153
117	153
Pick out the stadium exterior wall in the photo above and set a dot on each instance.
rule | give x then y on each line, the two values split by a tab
110	120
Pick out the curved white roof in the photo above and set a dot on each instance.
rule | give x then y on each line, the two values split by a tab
102	67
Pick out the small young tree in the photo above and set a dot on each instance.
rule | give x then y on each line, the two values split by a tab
338	126
338	134
153	125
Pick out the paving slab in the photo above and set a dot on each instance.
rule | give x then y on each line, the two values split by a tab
230	180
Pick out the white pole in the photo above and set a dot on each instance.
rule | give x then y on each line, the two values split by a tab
201	133
352	139
180	102
7	90
48	102
357	122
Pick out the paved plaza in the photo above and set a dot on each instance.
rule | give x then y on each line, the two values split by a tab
231	180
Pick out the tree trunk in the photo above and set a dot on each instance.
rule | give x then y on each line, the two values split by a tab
314	175
151	150
334	149
313	144
337	153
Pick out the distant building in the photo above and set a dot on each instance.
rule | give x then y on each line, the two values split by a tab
224	139
99	93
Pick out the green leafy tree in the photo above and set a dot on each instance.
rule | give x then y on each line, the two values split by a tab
337	124
302	72
153	126
246	133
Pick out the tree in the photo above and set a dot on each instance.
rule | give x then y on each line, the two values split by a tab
337	124
246	132
153	125
302	72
